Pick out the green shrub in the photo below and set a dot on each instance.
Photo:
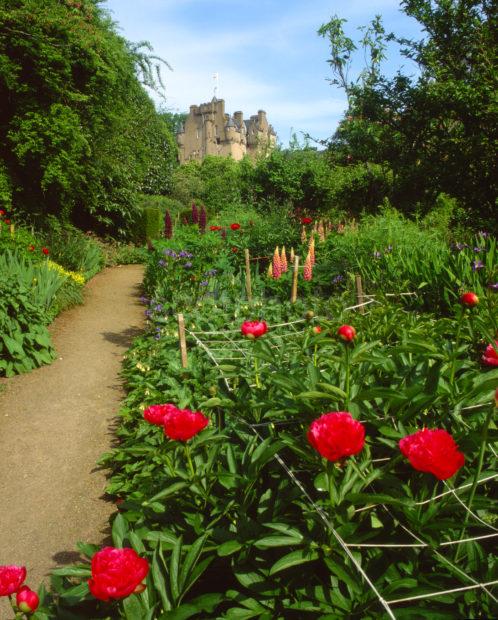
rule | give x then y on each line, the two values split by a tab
71	248
24	340
163	203
151	225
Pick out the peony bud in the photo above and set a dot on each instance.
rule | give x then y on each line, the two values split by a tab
347	333
27	600
309	315
469	299
317	329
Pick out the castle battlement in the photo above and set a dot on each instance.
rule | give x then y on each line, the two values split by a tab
209	130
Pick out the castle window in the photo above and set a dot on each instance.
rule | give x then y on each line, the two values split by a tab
218	141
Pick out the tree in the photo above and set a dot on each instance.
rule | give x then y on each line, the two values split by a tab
438	132
79	137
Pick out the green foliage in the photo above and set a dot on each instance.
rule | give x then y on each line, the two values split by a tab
164	203
71	248
360	187
437	131
24	340
72	100
152	224
395	255
234	535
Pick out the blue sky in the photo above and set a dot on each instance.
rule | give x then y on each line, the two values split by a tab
266	53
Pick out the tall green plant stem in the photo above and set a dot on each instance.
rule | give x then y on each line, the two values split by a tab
347	362
256	372
329	472
189	460
480	461
457	344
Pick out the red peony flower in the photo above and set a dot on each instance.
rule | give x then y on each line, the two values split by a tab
336	435
45	251
2	212
31	248
183	424
433	451
306	220
490	357
27	600
6	221
254	329
215	228
11	579
347	333
235	226
117	573
469	299
155	413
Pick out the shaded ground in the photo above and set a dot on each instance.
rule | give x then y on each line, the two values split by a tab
56	421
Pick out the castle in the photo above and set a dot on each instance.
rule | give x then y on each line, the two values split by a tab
208	130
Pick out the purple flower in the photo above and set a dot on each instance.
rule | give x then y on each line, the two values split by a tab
493	287
204	283
144	300
460	246
169	252
182	254
477	250
158	308
477	264
211	272
157	337
148	313
188	265
161	263
377	254
337	279
484	234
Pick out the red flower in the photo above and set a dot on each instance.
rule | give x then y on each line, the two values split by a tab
155	413
27	600
215	228
116	573
469	299
346	332
306	220
254	329
235	226
336	435
31	248
317	329
11	579
235	250
183	424
490	357
6	221
45	251
2	212
433	451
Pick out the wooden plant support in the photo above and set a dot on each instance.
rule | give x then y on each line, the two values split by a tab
181	338
359	294
294	280
248	276
12	230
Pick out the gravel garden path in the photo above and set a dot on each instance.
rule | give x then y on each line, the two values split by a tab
56	421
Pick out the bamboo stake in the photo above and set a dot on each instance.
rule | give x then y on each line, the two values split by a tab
12	229
181	338
294	280
248	276
359	294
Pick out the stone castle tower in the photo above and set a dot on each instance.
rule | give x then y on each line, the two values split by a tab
208	130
